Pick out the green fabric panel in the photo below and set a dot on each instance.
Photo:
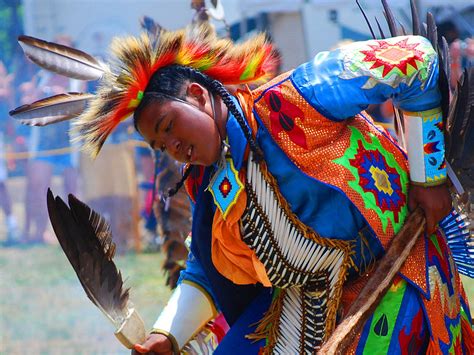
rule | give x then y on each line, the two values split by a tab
384	320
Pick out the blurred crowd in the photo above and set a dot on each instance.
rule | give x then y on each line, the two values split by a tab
37	154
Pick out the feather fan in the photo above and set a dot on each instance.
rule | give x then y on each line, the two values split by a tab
460	237
61	59
53	109
86	239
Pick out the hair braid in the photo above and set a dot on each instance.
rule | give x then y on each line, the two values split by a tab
173	191
219	89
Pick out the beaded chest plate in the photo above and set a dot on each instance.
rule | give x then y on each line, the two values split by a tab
309	270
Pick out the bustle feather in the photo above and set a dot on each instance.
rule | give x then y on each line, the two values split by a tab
52	109
415	19
61	59
460	131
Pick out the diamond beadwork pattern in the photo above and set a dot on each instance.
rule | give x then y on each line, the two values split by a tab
226	187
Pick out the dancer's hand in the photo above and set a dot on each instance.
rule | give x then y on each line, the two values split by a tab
435	202
158	344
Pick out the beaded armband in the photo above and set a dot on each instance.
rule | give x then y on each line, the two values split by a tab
425	146
188	310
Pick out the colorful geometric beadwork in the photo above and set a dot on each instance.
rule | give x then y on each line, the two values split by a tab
438	258
444	306
433	147
328	141
378	178
391	61
283	116
226	186
327	159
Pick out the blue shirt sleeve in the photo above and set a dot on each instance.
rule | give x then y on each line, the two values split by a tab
195	273
343	82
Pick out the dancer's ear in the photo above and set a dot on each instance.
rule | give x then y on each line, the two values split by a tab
196	92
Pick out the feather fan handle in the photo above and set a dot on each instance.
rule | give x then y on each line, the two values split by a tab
52	109
86	240
61	59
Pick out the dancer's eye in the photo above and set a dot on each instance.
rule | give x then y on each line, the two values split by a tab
170	125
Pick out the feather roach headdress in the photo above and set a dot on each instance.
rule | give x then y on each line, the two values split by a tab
136	59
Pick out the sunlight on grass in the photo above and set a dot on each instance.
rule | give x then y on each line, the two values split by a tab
44	310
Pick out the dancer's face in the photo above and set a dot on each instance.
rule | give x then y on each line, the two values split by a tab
187	131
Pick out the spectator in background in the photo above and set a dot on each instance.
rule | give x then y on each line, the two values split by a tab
30	93
462	56
6	131
50	153
461	47
146	167
23	86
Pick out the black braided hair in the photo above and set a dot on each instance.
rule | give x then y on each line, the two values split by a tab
173	191
169	82
219	89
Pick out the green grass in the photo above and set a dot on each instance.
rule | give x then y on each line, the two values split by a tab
469	288
44	310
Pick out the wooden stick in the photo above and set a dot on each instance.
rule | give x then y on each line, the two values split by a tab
377	286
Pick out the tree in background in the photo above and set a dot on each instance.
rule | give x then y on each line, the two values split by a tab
11	26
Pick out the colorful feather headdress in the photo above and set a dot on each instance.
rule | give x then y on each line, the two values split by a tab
136	59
